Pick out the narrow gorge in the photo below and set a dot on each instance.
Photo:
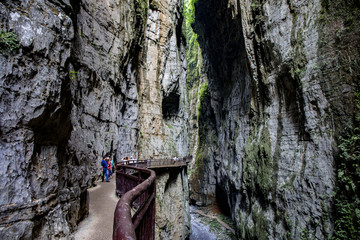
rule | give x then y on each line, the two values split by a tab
263	94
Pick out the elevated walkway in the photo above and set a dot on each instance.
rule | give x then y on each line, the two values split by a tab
158	163
135	211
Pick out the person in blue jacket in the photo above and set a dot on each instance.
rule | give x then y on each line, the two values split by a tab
104	165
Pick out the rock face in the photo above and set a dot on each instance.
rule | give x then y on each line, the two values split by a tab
163	113
274	108
80	79
162	84
172	204
73	91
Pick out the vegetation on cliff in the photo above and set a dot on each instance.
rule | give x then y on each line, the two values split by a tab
347	198
340	40
193	53
204	91
199	91
8	41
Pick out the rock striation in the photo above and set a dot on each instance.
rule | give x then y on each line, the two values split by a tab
274	89
73	90
172	204
162	84
270	120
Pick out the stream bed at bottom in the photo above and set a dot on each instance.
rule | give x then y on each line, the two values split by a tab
207	225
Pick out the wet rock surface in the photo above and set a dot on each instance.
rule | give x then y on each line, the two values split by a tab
268	127
71	92
208	223
89	78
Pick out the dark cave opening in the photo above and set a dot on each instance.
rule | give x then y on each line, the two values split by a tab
222	202
170	105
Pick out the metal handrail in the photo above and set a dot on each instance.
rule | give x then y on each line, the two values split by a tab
141	197
137	188
148	163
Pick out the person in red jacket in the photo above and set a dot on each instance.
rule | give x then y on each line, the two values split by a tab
109	167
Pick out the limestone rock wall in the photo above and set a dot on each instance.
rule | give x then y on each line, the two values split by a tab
68	95
163	113
269	123
88	78
162	85
172	204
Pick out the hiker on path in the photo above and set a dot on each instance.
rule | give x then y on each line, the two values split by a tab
109	166
105	172
112	165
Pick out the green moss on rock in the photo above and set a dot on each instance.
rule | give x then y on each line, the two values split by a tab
258	164
8	41
193	52
340	46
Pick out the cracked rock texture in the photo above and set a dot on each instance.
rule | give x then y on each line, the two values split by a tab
172	204
275	107
72	92
274	93
162	85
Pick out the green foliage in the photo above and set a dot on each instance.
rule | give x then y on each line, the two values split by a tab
346	10
72	74
258	166
305	234
199	161
193	52
339	39
8	40
204	91
142	8
260	226
189	11
255	5
347	197
190	171
258	15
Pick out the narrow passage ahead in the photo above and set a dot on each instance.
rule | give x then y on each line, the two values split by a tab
99	224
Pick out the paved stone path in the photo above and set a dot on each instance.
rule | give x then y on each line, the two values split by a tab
99	224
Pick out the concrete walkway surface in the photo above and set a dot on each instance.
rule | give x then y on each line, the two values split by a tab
99	224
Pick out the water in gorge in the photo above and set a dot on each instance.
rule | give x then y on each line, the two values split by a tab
265	95
207	223
199	231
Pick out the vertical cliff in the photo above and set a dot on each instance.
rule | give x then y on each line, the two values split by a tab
61	92
263	97
281	84
172	204
162	83
163	113
76	83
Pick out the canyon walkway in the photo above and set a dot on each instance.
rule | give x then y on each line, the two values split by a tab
102	202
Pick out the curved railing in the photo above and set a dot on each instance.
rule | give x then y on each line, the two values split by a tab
153	163
134	216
